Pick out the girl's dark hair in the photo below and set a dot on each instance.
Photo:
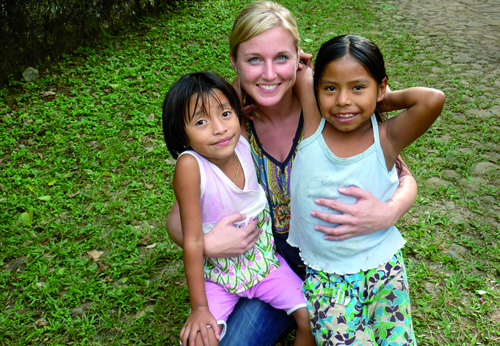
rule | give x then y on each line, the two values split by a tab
363	50
176	106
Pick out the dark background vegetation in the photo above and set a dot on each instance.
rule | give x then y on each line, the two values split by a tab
85	174
37	32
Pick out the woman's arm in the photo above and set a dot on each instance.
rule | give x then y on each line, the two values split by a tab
224	240
186	184
369	214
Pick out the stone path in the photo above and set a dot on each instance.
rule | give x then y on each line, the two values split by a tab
465	36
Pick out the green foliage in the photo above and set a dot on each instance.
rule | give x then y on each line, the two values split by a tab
85	184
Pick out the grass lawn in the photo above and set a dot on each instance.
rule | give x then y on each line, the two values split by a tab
85	183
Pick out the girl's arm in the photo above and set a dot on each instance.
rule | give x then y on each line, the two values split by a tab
423	106
186	184
304	90
369	214
247	110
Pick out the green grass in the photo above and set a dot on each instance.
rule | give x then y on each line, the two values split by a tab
87	170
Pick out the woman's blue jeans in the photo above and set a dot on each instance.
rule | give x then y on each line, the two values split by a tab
254	322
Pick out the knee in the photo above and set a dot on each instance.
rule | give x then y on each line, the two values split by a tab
302	317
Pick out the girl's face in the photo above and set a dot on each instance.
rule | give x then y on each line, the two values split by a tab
267	66
348	94
213	134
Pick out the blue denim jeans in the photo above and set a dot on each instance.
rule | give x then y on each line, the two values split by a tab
254	322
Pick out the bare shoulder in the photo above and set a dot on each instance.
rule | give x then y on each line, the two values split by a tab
187	170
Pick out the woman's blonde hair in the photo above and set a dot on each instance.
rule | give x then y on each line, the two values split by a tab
258	17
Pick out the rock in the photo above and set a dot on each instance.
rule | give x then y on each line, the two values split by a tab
432	289
436	182
484	167
77	311
456	251
30	74
460	249
450	174
473	185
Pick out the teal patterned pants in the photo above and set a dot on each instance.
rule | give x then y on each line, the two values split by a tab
367	308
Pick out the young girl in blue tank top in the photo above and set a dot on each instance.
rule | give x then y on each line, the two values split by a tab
215	177
356	289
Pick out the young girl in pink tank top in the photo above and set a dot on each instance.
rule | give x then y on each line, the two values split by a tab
215	177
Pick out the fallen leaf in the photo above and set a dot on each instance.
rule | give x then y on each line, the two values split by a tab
95	254
40	323
140	314
151	246
73	194
26	218
48	93
145	241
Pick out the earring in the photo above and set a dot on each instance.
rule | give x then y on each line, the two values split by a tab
236	70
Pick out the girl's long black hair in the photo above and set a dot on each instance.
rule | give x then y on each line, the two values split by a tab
176	106
363	50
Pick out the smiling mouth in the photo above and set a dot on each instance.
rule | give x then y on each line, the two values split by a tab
223	141
267	87
346	116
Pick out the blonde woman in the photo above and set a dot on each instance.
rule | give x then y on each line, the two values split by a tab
264	52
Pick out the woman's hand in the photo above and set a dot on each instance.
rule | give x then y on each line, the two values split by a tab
367	216
198	321
225	240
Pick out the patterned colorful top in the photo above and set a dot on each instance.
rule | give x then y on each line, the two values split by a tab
221	197
274	176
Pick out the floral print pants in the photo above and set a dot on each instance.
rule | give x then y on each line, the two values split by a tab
367	308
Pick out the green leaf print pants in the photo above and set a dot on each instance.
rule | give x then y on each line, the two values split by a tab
367	308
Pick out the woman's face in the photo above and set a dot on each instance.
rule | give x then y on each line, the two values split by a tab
267	66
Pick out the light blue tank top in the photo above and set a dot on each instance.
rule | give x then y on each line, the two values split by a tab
318	173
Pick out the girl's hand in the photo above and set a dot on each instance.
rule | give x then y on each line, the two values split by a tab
367	216
198	321
247	111
225	240
385	105
304	59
